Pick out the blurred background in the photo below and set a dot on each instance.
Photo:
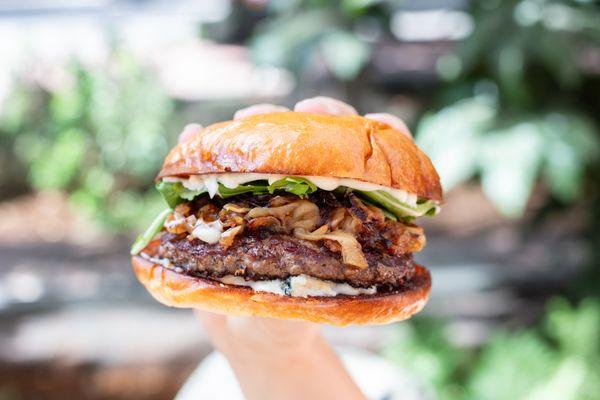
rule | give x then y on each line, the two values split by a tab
503	95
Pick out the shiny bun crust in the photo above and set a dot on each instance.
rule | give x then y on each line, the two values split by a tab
179	290
295	143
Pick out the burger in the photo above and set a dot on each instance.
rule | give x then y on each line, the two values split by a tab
292	215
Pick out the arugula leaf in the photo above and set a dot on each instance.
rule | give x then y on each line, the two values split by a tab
298	186
385	212
399	209
256	188
146	237
175	193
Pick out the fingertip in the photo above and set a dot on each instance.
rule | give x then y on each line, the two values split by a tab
209	318
264	108
325	105
391	120
189	131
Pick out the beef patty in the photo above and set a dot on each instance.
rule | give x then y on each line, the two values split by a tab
265	256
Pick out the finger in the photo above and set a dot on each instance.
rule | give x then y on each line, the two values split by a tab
259	109
325	105
272	332
392	121
213	323
189	131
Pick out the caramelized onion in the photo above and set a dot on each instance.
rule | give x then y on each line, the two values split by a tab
236	208
418	238
351	250
404	238
279	201
351	224
227	237
182	209
299	214
178	223
336	218
208	213
175	224
269	222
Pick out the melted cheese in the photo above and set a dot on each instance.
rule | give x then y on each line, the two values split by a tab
300	286
210	182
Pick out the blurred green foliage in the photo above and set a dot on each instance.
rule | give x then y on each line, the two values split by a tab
519	102
470	138
101	137
558	360
298	32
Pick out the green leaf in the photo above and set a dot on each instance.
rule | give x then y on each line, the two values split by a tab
174	192
511	365
344	54
509	161
60	164
394	206
575	329
571	144
255	188
452	138
298	186
385	212
146	237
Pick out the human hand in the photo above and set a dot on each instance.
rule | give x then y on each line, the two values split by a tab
281	358
252	339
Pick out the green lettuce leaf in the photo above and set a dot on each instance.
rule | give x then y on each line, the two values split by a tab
146	237
175	193
254	187
396	207
385	212
298	186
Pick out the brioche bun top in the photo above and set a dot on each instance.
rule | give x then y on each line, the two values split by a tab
295	143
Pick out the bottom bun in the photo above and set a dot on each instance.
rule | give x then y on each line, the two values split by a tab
179	290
